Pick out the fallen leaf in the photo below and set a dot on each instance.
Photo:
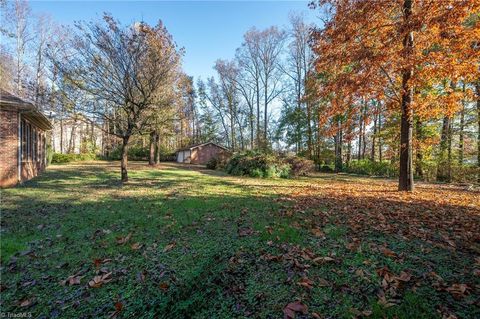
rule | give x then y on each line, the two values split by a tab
246	231
164	286
458	290
292	308
72	280
169	247
389	253
322	282
305	282
118	306
136	246
100	280
26	302
124	240
98	262
317	232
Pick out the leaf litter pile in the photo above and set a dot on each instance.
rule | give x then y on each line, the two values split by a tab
182	242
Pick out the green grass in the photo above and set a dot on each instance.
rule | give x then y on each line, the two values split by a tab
57	224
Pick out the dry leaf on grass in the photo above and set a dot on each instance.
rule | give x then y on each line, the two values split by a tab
169	247
100	280
292	308
71	280
136	246
124	240
458	291
305	282
26	302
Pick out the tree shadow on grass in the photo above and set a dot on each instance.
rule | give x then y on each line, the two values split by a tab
217	266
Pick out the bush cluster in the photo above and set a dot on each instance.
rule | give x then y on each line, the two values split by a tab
300	166
139	153
59	158
367	167
256	164
135	153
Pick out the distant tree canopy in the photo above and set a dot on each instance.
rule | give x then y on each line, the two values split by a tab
387	88
417	58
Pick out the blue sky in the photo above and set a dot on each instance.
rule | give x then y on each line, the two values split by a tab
208	30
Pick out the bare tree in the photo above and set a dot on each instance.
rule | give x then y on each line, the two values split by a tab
120	69
16	17
43	32
270	48
296	67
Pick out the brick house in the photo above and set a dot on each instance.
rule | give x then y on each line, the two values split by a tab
201	153
22	140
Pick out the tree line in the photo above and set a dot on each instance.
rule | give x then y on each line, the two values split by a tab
385	82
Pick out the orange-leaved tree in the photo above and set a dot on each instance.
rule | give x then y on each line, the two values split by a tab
402	52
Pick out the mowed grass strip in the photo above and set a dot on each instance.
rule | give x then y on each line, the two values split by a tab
181	241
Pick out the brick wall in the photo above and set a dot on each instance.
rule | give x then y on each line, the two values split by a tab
204	153
8	148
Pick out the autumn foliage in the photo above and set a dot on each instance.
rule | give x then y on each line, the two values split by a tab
408	55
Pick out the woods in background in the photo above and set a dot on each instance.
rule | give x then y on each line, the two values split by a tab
388	88
408	68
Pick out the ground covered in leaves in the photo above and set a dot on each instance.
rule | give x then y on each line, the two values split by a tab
185	242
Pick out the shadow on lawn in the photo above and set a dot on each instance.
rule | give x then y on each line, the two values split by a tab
214	270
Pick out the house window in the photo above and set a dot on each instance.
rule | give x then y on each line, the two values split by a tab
23	139
35	145
29	142
39	147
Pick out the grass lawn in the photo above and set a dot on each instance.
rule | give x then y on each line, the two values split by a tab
184	242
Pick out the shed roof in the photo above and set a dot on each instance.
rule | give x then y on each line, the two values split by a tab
9	101
191	147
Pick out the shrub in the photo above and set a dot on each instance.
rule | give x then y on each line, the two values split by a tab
257	164
135	153
465	173
212	163
59	158
300	166
367	167
326	168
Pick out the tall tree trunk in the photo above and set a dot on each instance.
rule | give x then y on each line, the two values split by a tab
349	153
309	131
372	154
252	129
157	148
477	88
461	133
124	161
443	173
360	135
265	119
380	153
405	182
151	158
232	124
364	146
338	147
258	109
71	142
418	151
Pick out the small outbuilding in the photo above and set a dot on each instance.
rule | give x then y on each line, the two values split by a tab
22	140
201	153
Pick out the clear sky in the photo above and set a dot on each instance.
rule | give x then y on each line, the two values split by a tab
208	30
